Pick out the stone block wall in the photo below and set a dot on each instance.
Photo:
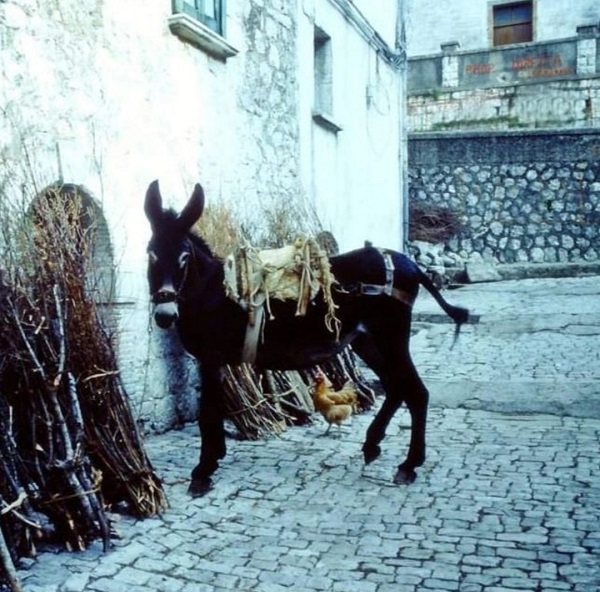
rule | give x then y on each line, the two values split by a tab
521	197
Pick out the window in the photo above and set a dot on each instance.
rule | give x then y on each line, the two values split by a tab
202	23
323	101
323	81
209	12
513	23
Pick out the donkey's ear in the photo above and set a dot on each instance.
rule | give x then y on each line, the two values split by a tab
153	203
193	209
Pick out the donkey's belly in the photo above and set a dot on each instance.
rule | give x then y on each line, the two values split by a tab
292	351
292	358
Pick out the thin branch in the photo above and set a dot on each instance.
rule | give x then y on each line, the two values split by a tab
9	566
62	352
10	507
37	364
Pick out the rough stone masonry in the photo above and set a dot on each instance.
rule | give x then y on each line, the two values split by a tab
521	197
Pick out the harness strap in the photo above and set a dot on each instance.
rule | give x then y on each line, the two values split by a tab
164	296
253	329
388	289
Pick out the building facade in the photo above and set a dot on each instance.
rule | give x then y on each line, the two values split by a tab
472	23
262	101
503	113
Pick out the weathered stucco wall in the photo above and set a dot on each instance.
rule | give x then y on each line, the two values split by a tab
105	96
354	174
522	197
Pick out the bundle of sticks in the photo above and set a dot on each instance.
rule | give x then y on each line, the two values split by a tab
268	403
70	449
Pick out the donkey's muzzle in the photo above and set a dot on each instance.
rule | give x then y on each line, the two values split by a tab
165	314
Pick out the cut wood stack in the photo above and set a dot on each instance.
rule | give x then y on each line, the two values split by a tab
70	449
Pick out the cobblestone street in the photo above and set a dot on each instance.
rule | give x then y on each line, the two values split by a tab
504	501
535	347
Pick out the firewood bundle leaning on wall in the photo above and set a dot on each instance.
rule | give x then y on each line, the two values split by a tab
69	447
259	405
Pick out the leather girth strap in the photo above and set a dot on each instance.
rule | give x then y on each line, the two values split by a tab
388	289
253	330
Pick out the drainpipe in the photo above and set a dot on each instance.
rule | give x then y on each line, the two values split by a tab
402	118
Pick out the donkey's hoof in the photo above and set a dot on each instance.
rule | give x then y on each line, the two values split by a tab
370	452
405	476
200	487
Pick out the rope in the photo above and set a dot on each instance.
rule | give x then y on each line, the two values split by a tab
303	269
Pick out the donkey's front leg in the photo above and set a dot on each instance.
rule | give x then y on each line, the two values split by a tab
212	432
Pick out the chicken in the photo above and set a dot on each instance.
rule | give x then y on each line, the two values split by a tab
334	406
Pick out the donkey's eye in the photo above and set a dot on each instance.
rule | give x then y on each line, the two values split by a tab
183	259
152	257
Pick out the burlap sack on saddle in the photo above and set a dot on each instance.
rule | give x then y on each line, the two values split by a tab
294	272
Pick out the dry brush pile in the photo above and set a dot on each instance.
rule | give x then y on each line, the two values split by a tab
432	223
69	446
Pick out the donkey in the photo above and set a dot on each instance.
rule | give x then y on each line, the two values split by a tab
373	292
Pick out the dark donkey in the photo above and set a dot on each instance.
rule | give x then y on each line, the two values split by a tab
374	293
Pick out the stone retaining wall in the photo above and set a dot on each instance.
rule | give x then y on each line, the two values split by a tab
521	196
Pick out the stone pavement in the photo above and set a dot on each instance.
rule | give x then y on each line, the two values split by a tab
535	349
503	502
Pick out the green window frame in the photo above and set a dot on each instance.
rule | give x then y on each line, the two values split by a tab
208	12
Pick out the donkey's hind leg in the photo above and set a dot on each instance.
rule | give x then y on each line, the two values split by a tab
401	382
376	432
416	397
366	348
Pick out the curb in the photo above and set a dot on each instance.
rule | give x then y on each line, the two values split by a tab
517	271
494	272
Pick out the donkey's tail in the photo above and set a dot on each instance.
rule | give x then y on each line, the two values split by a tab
458	314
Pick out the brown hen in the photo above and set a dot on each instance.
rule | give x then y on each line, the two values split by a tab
334	406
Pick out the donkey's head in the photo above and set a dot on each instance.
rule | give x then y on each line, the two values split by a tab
169	251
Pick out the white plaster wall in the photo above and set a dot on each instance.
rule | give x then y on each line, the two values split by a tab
354	175
126	102
382	15
557	19
123	102
431	23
